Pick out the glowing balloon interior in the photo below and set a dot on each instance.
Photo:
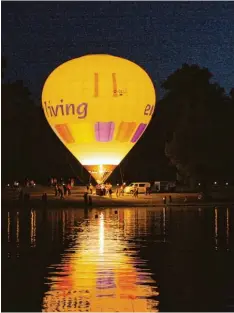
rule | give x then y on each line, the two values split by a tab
99	106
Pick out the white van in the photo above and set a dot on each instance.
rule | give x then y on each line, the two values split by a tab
140	185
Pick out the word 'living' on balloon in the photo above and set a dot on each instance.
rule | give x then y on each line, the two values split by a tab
81	109
66	109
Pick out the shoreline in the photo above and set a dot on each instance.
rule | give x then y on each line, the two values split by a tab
98	202
10	199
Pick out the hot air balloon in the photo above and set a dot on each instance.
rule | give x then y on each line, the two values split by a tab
99	106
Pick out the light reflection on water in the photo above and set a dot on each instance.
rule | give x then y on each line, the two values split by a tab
227	227
216	229
99	271
33	228
104	259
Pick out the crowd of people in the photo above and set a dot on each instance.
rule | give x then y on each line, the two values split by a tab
104	190
62	188
107	190
120	190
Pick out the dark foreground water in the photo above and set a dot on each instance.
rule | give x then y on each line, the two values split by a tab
132	259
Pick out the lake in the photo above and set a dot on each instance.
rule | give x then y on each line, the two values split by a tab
111	260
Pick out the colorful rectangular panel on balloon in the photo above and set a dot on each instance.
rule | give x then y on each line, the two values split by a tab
140	130
125	131
104	131
82	132
64	133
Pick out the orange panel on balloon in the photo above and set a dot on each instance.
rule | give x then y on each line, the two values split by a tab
82	132
125	131
64	133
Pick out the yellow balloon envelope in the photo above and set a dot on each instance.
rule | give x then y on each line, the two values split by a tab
99	106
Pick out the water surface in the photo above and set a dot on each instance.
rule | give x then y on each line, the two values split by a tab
118	260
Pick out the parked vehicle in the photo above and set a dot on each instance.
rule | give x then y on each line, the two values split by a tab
140	185
164	186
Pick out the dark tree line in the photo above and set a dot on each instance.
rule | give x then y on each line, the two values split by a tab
190	135
199	126
30	149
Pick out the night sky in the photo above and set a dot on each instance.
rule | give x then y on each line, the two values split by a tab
159	36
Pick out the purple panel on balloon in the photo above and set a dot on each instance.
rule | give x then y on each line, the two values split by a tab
104	131
140	130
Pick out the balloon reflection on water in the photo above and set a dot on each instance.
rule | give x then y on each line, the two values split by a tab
99	273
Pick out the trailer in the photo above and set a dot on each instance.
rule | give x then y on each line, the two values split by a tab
164	186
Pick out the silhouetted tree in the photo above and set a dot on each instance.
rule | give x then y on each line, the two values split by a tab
199	124
232	95
29	146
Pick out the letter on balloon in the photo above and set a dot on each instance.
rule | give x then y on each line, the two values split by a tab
82	110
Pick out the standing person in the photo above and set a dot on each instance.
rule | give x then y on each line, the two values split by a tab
56	190
110	192
121	190
68	189
136	193
147	191
60	191
72	182
91	188
64	189
103	190
106	189
117	191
